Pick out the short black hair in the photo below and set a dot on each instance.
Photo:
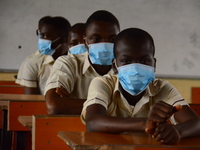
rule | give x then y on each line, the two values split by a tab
135	34
58	23
78	25
102	15
42	20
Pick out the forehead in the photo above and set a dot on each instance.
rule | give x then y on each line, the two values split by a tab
75	36
134	48
102	28
46	28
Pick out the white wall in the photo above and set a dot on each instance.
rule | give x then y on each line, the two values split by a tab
174	25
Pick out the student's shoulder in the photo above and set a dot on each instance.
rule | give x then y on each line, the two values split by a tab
35	59
72	57
159	85
108	79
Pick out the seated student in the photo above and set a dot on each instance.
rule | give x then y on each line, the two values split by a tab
75	39
52	43
74	72
133	99
20	72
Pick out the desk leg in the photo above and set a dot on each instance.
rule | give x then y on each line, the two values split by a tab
6	136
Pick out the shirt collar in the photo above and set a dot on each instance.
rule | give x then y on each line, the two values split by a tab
47	58
86	64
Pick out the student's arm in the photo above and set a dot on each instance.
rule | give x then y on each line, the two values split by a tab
189	125
161	130
97	120
32	91
57	104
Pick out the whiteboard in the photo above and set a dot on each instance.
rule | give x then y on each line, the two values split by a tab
174	25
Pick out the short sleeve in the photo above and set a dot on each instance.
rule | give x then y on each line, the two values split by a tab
171	96
29	74
62	74
100	92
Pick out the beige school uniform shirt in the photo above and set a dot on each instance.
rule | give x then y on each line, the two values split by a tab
74	73
20	71
35	71
104	91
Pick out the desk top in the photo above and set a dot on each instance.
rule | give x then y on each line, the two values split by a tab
94	140
26	121
21	97
6	98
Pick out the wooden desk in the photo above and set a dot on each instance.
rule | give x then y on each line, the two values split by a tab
42	124
14	105
130	141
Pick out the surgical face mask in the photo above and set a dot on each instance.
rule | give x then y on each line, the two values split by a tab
101	53
135	78
78	49
44	46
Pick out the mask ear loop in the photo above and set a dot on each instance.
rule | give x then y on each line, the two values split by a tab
54	41
115	66
86	44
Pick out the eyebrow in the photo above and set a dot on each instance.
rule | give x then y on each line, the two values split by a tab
143	56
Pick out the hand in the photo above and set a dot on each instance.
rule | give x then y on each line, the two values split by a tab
160	112
62	92
166	134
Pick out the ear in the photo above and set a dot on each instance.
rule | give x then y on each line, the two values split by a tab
85	43
37	32
114	66
154	64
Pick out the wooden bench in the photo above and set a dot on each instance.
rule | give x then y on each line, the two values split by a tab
42	124
8	83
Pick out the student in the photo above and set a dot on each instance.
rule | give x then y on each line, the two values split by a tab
52	43
20	72
75	39
133	99
74	72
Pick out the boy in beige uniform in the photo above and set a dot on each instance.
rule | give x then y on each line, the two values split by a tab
52	43
20	72
133	100
74	72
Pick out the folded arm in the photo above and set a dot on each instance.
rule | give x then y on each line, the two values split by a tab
57	104
97	120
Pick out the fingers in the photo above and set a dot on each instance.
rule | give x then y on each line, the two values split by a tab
61	91
166	134
150	127
177	108
160	112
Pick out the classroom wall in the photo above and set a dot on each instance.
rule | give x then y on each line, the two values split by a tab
174	25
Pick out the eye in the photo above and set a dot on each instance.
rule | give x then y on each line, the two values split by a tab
45	37
125	61
145	61
112	40
95	40
73	44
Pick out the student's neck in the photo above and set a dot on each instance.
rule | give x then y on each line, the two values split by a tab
102	69
59	52
132	100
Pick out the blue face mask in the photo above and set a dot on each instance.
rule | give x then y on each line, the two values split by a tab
44	46
135	78
101	53
78	49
